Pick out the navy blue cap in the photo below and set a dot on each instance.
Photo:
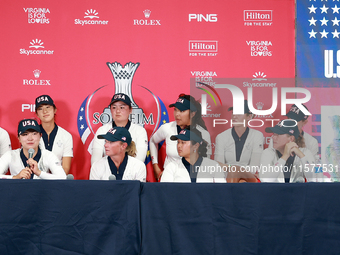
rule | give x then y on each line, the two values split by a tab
28	124
184	104
246	108
117	134
186	135
296	114
285	127
121	97
43	99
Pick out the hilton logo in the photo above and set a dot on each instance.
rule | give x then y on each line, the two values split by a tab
258	15
36	82
203	48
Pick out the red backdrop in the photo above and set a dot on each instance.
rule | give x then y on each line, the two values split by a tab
172	41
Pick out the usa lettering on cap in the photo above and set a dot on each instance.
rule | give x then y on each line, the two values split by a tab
28	122
112	131
41	99
119	97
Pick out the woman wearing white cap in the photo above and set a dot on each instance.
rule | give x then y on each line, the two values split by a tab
193	165
288	160
54	137
30	162
119	160
120	107
187	111
240	146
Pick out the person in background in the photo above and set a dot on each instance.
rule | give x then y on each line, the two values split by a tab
187	112
193	165
120	107
311	143
288	159
240	145
54	137
30	162
120	158
5	142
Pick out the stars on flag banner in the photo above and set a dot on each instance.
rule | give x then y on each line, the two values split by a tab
323	19
83	129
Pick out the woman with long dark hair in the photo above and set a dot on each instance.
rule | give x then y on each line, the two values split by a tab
187	112
54	137
193	165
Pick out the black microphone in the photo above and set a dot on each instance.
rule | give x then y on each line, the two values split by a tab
112	177
70	177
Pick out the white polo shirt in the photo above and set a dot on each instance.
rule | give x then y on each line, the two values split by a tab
5	142
225	151
272	166
208	172
49	165
134	170
163	134
62	145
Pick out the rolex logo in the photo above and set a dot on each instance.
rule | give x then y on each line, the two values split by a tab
147	13
36	80
259	105
36	73
146	21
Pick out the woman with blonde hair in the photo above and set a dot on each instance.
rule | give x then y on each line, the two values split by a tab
288	160
120	161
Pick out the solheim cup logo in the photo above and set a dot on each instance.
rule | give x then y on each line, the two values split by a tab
123	84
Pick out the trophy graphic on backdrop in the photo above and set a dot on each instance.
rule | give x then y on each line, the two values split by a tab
123	84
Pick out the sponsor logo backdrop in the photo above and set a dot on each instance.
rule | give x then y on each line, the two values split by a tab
62	48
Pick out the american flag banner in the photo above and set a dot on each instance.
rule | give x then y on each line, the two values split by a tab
163	118
317	41
318	70
83	129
